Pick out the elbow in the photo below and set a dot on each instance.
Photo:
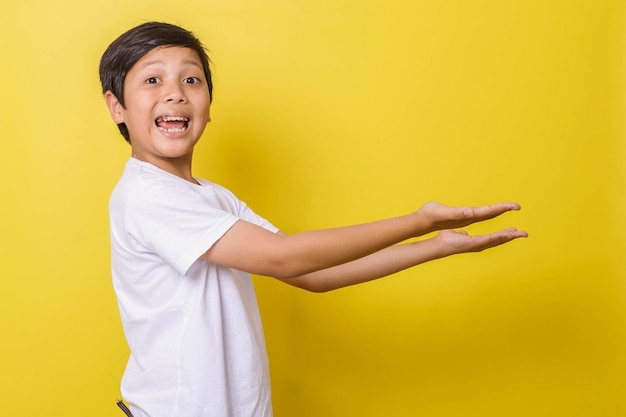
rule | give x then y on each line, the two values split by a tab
288	270
308	283
315	288
284	273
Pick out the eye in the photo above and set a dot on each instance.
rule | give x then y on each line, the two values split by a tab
192	80
152	80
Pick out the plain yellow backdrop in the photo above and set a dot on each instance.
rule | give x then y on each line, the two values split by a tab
329	113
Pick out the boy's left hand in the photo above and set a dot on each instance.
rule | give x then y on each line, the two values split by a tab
452	241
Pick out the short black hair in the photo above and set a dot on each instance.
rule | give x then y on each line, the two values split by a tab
131	46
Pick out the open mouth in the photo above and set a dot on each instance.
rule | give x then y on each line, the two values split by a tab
172	124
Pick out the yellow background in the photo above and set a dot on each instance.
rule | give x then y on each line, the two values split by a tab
329	113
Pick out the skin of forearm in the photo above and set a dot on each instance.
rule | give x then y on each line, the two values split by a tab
252	249
371	267
321	249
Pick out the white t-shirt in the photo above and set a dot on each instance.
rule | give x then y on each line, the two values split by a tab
193	328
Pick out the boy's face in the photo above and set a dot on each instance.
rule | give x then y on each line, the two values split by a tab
167	104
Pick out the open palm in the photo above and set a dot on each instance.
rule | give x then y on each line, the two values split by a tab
442	217
453	241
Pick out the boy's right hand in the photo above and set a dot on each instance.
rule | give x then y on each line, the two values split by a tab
436	216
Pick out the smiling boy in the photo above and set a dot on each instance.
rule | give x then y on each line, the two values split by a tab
183	248
166	107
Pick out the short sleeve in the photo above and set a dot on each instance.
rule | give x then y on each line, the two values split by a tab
176	223
239	208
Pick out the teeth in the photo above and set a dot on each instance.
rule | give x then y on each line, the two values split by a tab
165	119
172	119
172	130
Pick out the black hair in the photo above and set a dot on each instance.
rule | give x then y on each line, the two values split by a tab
131	46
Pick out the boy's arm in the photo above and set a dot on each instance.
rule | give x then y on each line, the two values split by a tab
250	248
399	257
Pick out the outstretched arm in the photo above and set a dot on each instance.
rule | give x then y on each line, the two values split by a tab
399	257
253	249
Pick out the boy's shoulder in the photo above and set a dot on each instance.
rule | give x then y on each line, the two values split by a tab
142	181
140	174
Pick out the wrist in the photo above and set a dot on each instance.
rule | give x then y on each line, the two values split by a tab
428	250
422	224
440	248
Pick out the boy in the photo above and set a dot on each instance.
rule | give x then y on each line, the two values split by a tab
183	247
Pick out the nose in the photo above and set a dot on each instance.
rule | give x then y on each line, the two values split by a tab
175	93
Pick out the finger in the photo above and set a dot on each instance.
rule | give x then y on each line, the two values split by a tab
489	211
515	232
501	237
508	235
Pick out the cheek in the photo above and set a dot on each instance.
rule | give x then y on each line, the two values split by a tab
205	114
140	113
208	111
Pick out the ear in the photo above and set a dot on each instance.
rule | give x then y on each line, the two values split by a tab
115	107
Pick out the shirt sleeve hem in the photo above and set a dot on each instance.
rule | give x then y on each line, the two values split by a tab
203	244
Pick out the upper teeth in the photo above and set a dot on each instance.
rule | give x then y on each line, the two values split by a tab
173	119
